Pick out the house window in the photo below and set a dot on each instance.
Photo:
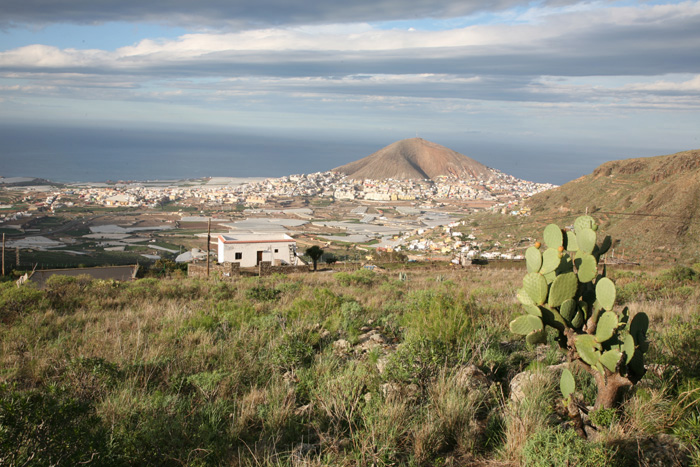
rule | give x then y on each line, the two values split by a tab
239	255
276	250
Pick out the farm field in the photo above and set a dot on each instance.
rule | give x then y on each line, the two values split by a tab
408	367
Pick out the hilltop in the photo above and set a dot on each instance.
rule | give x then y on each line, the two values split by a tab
415	159
651	205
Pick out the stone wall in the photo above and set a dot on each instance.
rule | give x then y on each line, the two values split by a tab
225	270
215	270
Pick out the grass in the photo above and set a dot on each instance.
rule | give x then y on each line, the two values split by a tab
251	372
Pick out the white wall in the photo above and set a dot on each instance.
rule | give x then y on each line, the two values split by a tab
249	252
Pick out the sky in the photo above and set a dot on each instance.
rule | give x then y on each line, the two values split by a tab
543	90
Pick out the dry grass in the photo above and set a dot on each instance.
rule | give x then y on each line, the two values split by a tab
235	380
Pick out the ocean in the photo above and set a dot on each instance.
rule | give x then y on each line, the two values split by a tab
97	155
70	154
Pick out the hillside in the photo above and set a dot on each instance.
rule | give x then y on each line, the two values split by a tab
346	369
651	205
413	159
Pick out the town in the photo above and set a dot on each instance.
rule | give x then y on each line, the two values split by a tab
353	219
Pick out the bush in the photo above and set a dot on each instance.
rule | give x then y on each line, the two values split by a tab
679	274
416	361
15	301
679	344
554	447
263	294
67	293
359	277
49	427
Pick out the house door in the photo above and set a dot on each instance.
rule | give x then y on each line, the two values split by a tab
259	257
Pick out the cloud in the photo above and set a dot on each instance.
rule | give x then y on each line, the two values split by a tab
602	41
552	58
241	13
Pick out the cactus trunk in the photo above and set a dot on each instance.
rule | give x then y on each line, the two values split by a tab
611	388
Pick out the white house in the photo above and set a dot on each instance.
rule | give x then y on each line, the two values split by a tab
250	250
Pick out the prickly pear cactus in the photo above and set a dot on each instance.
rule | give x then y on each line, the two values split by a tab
565	289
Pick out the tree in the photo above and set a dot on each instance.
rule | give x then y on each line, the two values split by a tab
330	258
315	252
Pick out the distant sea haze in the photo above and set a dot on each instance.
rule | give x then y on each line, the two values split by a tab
96	155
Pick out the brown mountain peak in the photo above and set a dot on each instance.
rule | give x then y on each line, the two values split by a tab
412	159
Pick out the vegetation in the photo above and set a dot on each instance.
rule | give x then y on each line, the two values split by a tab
314	252
352	368
571	295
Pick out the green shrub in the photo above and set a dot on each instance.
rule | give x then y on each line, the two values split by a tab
679	274
363	277
295	349
679	345
555	447
15	301
263	294
67	293
603	417
47	427
418	360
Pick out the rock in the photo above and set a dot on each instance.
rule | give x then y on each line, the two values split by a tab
371	340
373	335
390	390
395	390
341	347
520	382
325	334
471	378
381	364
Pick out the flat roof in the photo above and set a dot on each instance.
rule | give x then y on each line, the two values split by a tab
263	238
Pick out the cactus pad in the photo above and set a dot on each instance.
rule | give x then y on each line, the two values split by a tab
639	326
607	324
636	364
578	319
533	259
526	324
585	222
524	298
536	287
571	243
533	310
551	259
587	349
536	337
587	267
628	346
567	383
586	239
568	309
565	264
605	293
610	359
551	317
563	288
605	246
553	236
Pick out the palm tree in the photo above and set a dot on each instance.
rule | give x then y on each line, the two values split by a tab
315	252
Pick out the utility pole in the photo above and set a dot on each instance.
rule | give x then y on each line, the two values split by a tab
208	243
3	254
